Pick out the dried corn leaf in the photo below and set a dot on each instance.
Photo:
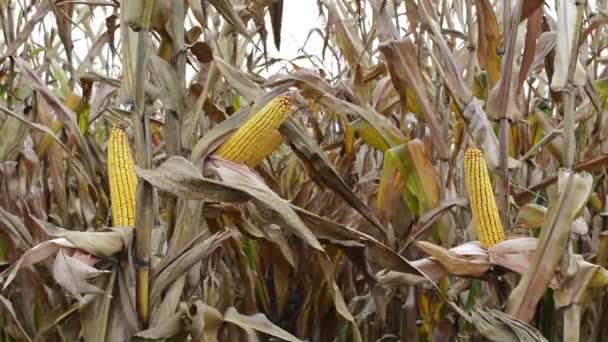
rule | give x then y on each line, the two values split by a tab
226	9
349	43
99	244
181	178
321	170
95	314
165	329
457	262
257	322
488	38
379	253
318	90
73	274
196	251
67	116
273	207
8	307
403	66
531	215
566	40
206	322
239	80
572	192
499	327
483	134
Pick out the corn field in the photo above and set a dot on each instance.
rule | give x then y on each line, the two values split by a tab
434	170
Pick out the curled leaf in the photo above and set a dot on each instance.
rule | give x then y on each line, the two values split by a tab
468	260
258	322
531	215
498	326
573	189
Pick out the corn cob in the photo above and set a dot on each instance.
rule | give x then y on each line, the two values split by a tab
123	180
257	137
271	142
483	204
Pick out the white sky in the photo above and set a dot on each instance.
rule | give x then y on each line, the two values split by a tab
299	17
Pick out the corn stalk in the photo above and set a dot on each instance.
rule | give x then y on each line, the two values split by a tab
173	118
569	96
134	87
510	22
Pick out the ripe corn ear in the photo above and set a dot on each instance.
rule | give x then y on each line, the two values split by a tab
257	138
271	142
123	180
483	204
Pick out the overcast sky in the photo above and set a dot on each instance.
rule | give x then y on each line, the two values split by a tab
299	18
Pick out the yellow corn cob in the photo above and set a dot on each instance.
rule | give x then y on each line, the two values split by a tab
483	204
123	180
251	142
271	142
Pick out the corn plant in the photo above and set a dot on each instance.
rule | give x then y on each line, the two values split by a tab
230	171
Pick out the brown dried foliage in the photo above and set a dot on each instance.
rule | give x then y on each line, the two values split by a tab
358	227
